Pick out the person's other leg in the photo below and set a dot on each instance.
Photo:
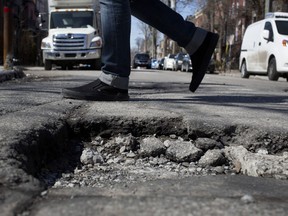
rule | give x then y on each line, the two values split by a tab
199	43
155	13
114	79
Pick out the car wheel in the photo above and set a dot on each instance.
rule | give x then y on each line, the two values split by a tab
272	71
244	72
48	65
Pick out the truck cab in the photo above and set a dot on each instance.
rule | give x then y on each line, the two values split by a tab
73	34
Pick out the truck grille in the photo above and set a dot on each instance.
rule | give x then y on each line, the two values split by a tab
69	41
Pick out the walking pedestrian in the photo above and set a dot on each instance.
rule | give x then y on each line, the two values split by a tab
112	84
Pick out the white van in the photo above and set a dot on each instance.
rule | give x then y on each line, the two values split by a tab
264	49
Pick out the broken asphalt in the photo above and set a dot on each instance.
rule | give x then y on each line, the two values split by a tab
36	121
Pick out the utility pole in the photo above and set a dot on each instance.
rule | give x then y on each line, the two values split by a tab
1	30
173	7
7	36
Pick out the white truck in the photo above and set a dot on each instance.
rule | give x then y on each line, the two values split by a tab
73	34
264	49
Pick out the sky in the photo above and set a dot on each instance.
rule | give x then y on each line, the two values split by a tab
135	32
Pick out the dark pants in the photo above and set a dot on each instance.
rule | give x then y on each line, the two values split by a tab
116	28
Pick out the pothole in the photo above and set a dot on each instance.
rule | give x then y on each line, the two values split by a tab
124	159
108	158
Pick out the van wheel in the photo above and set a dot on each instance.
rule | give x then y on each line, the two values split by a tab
48	65
272	71
244	72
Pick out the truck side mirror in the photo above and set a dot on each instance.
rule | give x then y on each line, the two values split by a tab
266	34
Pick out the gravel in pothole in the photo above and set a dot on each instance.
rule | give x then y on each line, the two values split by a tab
124	159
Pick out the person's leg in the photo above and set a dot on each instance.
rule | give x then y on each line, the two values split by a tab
199	43
116	28
114	79
155	13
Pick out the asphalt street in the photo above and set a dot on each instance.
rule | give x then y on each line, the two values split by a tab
35	121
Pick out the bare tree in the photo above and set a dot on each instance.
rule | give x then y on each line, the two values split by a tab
154	39
256	8
145	29
139	43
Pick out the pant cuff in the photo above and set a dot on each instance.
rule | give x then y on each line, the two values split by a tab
114	80
196	41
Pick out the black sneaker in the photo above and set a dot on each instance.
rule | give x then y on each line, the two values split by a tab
96	91
201	58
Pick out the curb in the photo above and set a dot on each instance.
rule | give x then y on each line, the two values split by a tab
15	73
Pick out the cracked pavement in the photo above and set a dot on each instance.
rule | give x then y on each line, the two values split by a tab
248	114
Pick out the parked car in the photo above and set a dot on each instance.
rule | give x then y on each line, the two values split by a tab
264	48
142	60
169	62
211	66
178	59
186	65
154	64
161	64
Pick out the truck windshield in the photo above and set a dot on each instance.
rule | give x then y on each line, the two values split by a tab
71	19
282	27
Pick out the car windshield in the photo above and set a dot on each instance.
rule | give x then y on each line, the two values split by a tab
282	27
172	56
180	56
142	56
71	19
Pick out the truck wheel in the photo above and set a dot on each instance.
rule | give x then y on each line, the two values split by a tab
272	71
48	65
244	72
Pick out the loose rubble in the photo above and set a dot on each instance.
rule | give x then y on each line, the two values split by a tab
259	164
125	159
